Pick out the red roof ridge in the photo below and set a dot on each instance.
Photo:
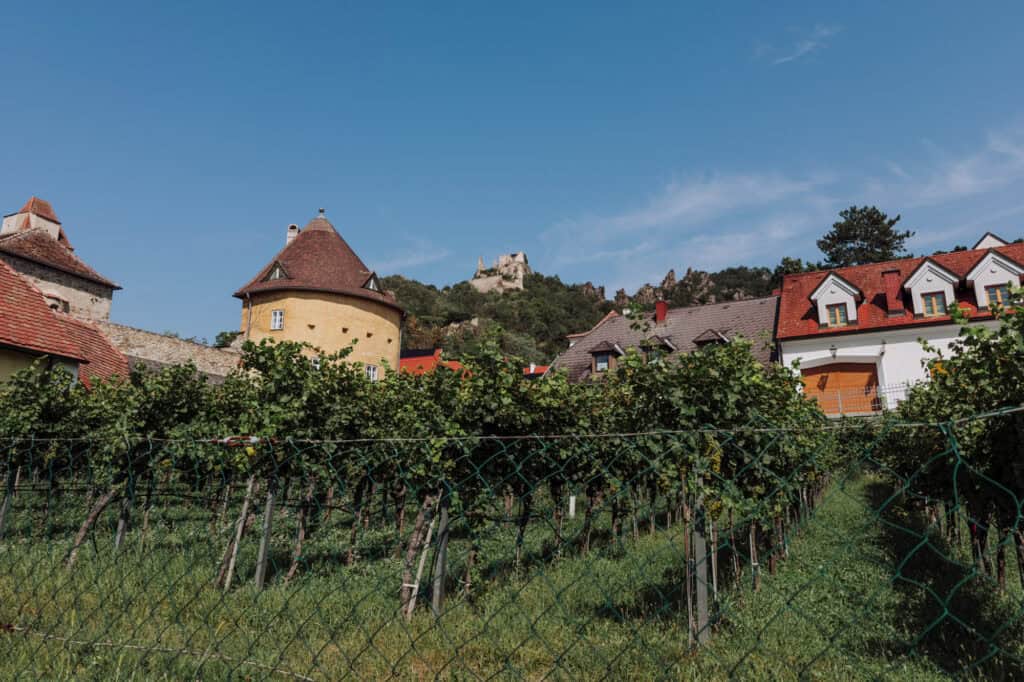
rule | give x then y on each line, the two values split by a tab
103	359
28	322
880	308
40	207
50	252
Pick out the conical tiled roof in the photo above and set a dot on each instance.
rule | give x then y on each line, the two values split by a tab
318	259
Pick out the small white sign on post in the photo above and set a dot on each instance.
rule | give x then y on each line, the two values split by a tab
572	506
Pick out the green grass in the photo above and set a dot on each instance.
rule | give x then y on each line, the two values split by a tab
832	611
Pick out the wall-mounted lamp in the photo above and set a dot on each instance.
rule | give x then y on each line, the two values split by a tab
832	349
881	351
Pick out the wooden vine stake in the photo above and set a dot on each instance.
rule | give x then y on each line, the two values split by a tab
440	559
228	570
268	517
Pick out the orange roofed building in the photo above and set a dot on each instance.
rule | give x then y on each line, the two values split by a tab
30	330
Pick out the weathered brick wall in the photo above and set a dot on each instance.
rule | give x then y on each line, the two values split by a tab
87	300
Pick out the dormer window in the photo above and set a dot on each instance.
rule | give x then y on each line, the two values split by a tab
604	355
993	277
837	315
931	288
997	294
836	301
933	304
276	272
373	284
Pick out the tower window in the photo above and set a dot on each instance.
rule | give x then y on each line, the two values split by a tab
276	320
371	372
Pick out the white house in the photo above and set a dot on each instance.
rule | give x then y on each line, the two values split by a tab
857	331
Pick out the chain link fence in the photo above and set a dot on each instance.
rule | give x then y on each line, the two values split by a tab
751	553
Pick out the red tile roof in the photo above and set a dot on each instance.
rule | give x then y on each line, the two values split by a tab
318	259
41	208
421	362
26	322
798	314
103	360
36	245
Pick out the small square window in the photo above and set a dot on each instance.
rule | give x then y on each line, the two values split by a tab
602	362
837	315
999	293
371	372
934	303
276	320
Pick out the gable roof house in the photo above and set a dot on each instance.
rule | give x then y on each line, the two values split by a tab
667	331
856	331
35	244
30	330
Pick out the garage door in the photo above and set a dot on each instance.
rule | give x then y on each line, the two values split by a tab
844	388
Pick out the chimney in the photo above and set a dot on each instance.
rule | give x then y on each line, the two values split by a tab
660	311
893	295
293	232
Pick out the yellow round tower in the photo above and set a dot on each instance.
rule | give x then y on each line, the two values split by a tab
317	290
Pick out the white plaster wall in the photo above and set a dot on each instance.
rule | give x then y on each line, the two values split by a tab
927	283
830	296
993	273
12	223
901	363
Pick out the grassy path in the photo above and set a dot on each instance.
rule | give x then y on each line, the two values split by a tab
834	610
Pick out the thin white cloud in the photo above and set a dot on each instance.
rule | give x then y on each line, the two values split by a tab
419	252
755	218
993	165
815	40
683	206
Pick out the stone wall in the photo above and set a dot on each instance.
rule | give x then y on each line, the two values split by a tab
157	350
87	300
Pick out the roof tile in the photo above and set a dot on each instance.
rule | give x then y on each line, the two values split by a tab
797	314
318	259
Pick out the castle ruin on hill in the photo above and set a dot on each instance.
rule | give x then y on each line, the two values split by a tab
507	274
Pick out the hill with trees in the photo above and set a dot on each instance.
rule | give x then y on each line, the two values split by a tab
532	323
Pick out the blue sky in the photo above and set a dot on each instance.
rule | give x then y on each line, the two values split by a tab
177	141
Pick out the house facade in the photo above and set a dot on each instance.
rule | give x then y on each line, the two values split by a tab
317	290
856	332
593	353
31	331
34	243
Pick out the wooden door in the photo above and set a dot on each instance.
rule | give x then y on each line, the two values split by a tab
843	387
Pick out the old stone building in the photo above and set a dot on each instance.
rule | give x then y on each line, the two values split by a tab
33	242
317	290
507	274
